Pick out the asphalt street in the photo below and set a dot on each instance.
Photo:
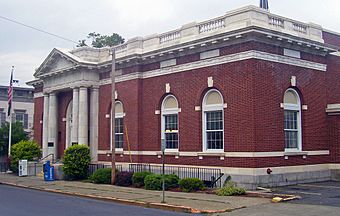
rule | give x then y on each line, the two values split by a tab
23	202
323	193
316	199
285	209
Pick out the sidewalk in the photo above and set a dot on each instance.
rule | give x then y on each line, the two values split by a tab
175	201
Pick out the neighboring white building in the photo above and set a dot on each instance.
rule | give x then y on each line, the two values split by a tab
22	107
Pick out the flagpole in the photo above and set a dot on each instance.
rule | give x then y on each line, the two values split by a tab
10	134
10	114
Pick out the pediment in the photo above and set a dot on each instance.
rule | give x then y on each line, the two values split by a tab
55	61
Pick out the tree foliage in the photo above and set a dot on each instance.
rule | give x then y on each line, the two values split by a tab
99	41
76	162
18	134
24	150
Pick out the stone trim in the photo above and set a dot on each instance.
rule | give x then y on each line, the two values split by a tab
38	95
222	154
252	54
333	108
261	171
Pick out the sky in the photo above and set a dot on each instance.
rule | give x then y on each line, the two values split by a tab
26	49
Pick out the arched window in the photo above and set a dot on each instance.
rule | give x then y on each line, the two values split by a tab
170	122
119	126
292	121
213	121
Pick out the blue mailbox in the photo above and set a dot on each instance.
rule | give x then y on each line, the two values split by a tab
48	171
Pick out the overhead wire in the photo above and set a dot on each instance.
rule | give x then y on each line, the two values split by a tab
37	29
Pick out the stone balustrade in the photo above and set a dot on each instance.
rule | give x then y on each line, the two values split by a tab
169	37
275	21
211	25
232	21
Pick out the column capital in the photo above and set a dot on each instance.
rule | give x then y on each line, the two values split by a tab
95	88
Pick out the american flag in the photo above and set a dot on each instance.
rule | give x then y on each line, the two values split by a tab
10	93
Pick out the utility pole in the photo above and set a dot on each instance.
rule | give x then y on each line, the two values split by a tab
113	100
163	144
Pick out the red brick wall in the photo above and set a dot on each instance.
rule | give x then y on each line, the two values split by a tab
333	84
189	87
64	99
334	137
38	116
272	80
333	92
128	94
253	90
332	39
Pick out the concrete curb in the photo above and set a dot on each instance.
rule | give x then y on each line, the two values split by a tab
161	206
274	196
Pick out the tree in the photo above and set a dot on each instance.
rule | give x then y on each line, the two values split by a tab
99	41
18	134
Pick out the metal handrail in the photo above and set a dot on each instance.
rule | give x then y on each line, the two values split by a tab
213	182
41	159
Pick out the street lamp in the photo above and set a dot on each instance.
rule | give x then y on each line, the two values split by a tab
113	99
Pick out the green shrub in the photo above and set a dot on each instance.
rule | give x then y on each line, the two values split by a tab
24	150
101	176
124	179
76	162
138	178
231	190
155	181
191	184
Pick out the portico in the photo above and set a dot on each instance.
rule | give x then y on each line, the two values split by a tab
71	101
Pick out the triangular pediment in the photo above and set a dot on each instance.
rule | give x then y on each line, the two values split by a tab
55	61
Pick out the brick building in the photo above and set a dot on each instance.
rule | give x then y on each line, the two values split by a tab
23	106
243	92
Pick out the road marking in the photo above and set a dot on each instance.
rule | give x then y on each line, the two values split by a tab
319	186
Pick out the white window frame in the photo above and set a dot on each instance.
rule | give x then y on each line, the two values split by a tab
22	113
117	115
210	108
164	112
296	108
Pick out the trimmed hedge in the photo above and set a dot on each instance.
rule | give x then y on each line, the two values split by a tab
24	150
124	179
155	181
101	176
139	177
191	184
76	162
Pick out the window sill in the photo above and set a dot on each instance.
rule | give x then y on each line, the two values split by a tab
211	154
295	153
119	151
169	152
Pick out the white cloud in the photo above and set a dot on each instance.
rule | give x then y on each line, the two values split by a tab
24	63
26	48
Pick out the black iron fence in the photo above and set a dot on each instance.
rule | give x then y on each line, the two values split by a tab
94	167
4	167
210	176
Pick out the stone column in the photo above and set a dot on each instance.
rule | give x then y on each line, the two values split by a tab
94	111
45	126
53	125
75	116
83	116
